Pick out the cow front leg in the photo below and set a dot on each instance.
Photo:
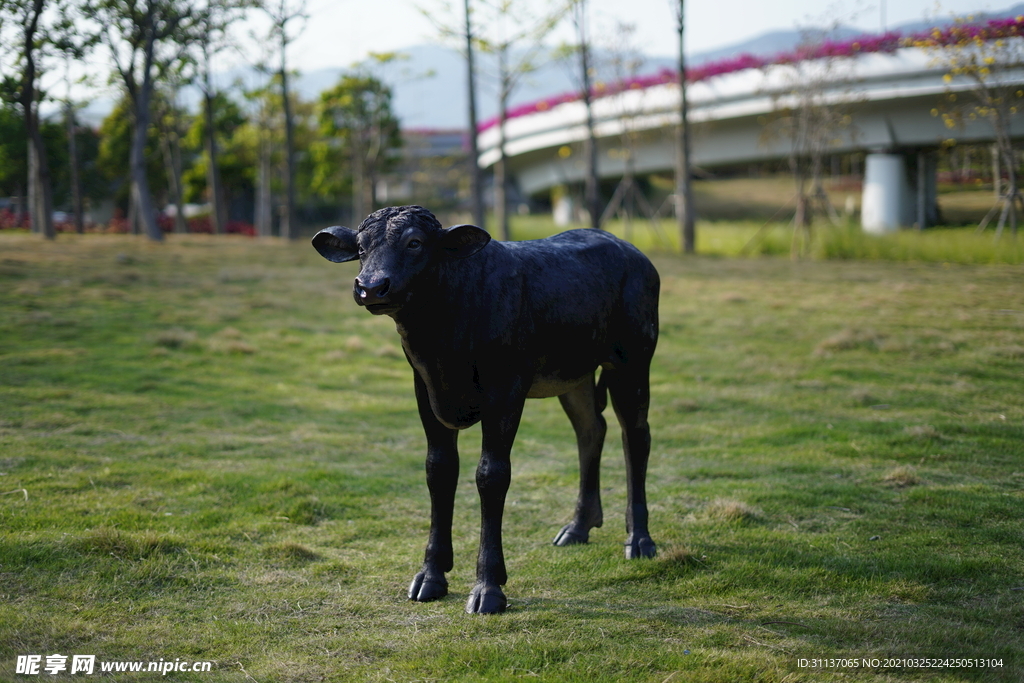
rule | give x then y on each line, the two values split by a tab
493	474
442	479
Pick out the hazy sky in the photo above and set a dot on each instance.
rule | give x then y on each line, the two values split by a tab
341	32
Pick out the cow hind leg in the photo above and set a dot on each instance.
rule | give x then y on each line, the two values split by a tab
583	407
631	398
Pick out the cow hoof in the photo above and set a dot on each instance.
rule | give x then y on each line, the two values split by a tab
571	535
640	547
486	599
425	588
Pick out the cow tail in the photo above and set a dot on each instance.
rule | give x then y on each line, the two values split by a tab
601	391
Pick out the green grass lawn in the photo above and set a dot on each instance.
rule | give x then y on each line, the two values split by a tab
208	452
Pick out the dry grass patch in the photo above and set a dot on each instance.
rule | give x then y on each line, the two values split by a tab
923	432
849	339
902	477
679	556
729	511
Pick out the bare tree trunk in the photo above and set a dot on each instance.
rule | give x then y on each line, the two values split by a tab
501	182
41	201
144	206
802	218
475	174
19	205
133	209
500	170
172	162
684	186
33	192
76	180
263	198
219	213
358	183
288	227
1012	193
44	198
592	197
145	210
180	223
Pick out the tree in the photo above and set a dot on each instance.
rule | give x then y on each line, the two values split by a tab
628	199
263	112
235	160
145	37
28	21
684	187
172	124
986	61
357	113
812	119
211	38
513	26
281	14
592	191
117	137
465	36
73	38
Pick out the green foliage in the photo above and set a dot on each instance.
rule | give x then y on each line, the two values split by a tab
14	154
13	151
222	461
355	118
237	156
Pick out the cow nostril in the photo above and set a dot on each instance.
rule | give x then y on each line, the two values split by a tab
384	287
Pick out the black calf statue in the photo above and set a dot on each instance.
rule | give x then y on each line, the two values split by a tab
486	325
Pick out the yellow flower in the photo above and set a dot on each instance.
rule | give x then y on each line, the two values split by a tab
935	112
947	78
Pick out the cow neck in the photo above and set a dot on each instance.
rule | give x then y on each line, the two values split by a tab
451	301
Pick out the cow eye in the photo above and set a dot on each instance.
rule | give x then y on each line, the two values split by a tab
362	252
413	244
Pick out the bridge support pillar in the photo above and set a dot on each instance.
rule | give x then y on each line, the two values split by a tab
899	190
884	204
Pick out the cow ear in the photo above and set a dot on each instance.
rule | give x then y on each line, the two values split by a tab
336	244
462	241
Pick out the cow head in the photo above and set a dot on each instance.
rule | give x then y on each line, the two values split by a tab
394	245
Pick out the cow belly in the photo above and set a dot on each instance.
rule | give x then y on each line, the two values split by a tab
546	387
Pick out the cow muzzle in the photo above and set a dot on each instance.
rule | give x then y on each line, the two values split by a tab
374	295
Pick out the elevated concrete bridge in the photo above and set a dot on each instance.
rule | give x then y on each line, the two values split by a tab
894	102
